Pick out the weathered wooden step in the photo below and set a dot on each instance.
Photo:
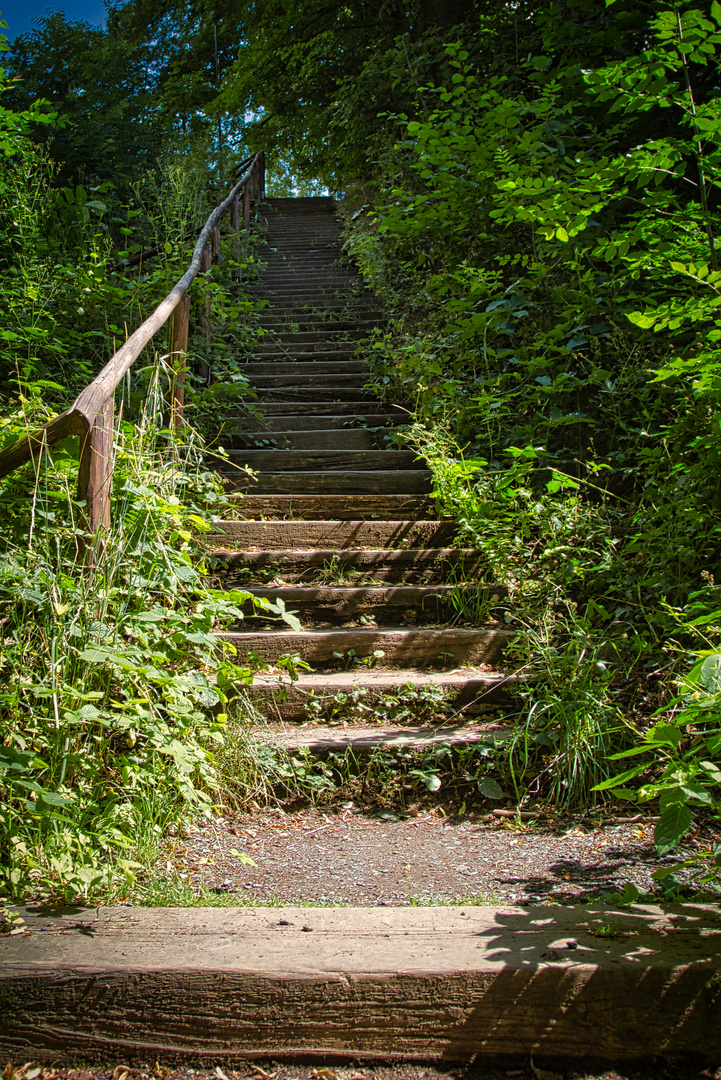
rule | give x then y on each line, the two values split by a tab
341	354
388	605
279	461
316	439
469	689
291	308
332	481
335	535
341	508
449	647
362	741
385	564
300	337
356	408
451	985
290	368
298	422
318	393
280	278
362	323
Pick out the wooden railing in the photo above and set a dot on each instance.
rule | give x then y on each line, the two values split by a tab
91	414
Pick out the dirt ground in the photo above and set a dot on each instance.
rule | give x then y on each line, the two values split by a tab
506	1070
356	858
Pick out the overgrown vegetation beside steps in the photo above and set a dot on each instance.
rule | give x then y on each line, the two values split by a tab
545	234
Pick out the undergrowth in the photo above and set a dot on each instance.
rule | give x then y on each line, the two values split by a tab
544	238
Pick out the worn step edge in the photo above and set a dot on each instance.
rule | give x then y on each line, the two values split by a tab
399	645
322	740
294	423
407	603
356	558
445	984
293	460
360	508
332	481
467	689
338	534
343	438
354	409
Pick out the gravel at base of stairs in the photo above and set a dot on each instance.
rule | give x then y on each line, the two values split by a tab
351	857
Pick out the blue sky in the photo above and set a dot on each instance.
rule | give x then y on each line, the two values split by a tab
18	14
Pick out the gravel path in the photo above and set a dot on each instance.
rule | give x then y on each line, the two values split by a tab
132	1067
354	858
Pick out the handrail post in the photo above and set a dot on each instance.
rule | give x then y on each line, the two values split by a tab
246	205
178	348
95	469
203	368
217	255
235	229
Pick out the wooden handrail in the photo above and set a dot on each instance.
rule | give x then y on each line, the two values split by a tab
90	415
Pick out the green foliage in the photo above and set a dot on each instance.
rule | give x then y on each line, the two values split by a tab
543	232
99	82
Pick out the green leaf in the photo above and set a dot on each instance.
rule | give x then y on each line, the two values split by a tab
489	788
671	826
242	857
640	318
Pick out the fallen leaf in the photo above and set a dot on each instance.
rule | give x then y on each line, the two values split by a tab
221	1075
245	859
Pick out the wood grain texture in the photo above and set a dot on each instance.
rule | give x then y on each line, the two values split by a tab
283	699
442	984
95	469
334	536
464	561
332	481
334	507
411	647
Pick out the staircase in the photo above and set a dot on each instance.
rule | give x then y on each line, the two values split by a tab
337	521
340	527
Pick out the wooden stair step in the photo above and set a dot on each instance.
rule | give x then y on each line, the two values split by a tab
321	740
356	407
294	307
350	333
331	460
333	534
290	368
451	647
320	422
386	564
316	439
332	481
362	323
315	391
331	353
366	985
340	508
387	604
470	689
